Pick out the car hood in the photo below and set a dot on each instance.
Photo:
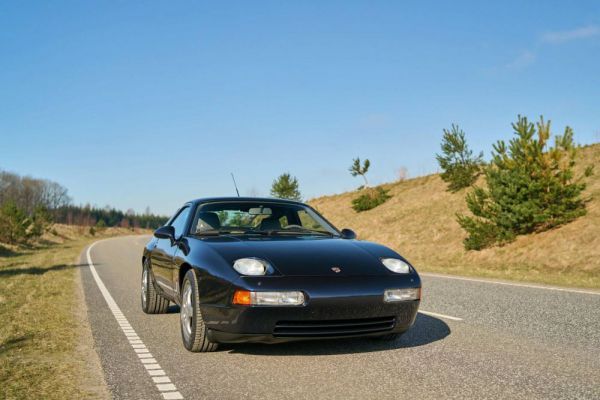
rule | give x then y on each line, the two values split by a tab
307	256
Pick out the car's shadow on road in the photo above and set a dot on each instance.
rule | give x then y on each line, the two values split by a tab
173	309
425	330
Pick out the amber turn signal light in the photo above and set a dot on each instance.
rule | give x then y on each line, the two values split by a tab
242	297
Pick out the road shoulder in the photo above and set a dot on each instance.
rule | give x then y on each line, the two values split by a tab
91	377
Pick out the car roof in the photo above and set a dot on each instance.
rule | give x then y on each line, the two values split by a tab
242	199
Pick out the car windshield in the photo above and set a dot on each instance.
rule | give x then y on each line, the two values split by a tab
265	218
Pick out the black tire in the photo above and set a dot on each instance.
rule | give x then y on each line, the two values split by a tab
152	302
193	329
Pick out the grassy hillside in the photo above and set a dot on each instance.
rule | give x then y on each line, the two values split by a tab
419	222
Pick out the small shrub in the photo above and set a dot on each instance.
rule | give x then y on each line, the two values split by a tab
19	227
92	231
100	225
530	187
482	234
40	222
460	168
370	199
286	187
402	174
14	224
356	169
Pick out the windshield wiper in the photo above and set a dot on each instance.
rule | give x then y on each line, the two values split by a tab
255	232
296	231
240	231
213	232
235	231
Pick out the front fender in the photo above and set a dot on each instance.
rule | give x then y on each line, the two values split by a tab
215	275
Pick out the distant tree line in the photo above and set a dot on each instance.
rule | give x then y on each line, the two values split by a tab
29	206
102	217
29	194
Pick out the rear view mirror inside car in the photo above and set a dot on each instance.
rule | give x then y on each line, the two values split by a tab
260	211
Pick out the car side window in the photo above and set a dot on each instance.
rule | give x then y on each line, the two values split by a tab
179	222
307	221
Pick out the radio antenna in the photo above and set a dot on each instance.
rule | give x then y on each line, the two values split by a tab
235	185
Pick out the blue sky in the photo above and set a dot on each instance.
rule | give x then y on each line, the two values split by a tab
149	103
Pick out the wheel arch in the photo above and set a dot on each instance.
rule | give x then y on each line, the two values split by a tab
183	269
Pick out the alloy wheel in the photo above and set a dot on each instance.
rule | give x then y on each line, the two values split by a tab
187	310
145	286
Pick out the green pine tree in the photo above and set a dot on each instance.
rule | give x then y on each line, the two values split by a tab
286	187
40	222
356	169
459	167
15	224
530	187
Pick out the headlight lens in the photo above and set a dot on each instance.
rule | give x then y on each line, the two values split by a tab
250	266
392	295
396	265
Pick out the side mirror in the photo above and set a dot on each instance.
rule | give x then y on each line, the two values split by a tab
348	234
165	232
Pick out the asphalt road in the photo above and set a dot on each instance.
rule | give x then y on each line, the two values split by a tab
492	341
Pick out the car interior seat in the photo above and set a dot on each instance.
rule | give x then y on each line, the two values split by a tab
271	223
207	221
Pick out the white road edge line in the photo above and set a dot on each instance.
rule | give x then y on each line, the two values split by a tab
432	314
558	289
168	392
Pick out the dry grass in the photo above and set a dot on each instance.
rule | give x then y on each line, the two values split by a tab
39	325
419	222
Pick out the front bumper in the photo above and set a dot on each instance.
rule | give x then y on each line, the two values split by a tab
336	307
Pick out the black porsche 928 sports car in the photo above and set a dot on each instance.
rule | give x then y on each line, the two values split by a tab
268	270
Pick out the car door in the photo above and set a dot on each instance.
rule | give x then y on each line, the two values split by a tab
164	253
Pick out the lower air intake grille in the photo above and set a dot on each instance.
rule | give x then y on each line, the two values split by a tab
340	327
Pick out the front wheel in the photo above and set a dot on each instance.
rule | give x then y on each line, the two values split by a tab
193	329
152	302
